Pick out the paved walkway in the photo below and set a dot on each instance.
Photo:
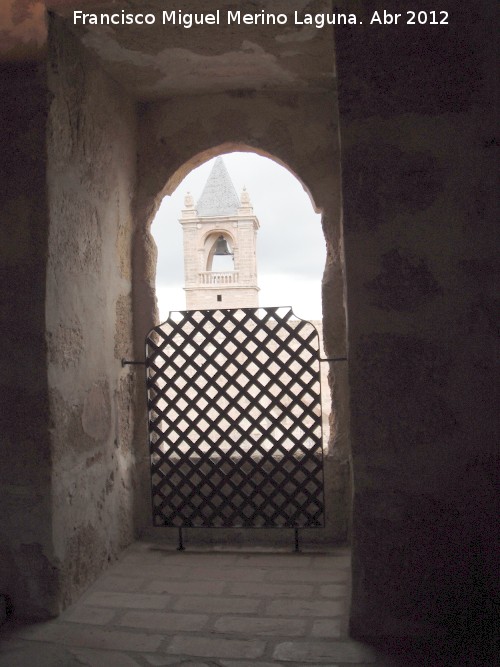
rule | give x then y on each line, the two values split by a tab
157	606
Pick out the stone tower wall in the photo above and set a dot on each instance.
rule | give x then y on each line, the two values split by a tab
207	298
205	287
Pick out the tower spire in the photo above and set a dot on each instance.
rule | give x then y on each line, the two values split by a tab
219	196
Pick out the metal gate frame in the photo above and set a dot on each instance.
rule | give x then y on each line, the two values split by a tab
234	419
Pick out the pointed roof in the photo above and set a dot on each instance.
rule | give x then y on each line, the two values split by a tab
219	196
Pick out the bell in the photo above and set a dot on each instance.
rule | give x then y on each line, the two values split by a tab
221	247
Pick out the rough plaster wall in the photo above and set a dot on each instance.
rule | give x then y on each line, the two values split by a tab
300	131
26	573
91	146
417	160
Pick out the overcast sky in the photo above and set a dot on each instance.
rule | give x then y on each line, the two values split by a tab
290	242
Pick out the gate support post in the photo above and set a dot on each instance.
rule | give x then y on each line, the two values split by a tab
297	549
181	545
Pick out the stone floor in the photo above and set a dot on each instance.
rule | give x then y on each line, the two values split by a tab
157	606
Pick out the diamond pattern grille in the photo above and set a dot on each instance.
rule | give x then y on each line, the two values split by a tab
234	408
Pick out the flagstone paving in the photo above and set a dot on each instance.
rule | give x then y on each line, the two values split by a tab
160	607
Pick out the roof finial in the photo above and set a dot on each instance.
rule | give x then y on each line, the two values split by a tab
188	200
245	197
246	207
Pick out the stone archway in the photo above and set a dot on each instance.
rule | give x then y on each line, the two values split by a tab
295	158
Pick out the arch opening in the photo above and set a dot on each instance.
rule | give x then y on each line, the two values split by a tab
318	180
257	214
290	247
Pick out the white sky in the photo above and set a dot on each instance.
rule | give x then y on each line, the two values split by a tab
290	243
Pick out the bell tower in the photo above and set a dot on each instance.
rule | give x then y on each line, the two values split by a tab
220	236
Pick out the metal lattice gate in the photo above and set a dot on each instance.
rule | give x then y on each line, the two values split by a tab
234	404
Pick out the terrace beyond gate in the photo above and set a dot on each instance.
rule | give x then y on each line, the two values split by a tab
234	407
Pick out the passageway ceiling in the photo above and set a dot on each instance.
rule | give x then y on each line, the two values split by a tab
157	61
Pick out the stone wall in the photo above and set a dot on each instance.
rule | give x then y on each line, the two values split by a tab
27	574
67	455
417	160
91	172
